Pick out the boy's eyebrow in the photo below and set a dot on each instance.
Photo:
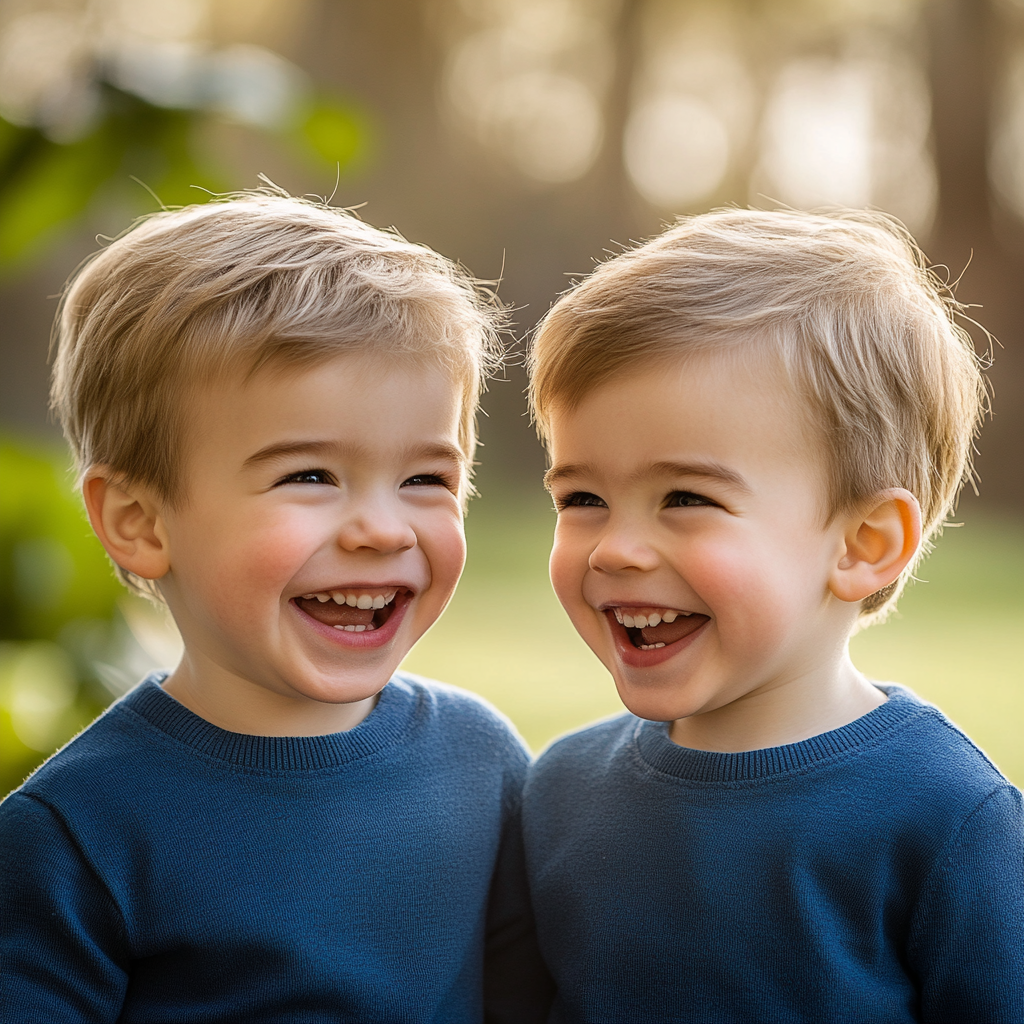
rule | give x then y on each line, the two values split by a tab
711	469
708	469
286	449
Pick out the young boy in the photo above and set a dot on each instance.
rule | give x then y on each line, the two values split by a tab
272	407
756	423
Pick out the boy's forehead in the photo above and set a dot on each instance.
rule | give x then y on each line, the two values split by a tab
715	411
359	374
318	408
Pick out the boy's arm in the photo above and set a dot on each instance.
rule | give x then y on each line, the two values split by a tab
62	943
967	945
517	986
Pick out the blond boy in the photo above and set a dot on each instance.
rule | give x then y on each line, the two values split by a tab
756	423
271	405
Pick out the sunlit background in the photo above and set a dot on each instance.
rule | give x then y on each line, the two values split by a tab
526	139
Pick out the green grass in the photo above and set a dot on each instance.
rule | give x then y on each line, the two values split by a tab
958	639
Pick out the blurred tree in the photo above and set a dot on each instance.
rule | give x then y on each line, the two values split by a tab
46	185
971	44
92	95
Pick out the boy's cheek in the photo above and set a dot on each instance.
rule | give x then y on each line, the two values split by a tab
446	555
268	556
753	600
237	575
567	567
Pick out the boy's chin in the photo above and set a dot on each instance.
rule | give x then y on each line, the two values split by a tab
335	683
337	692
664	700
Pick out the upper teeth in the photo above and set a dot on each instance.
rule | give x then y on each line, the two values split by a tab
641	619
357	600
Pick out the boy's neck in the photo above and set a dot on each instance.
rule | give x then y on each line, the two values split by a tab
782	712
235	704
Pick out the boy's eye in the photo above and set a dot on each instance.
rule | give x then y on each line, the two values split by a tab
308	476
687	499
579	499
428	480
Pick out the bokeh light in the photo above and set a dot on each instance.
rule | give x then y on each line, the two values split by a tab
850	131
676	149
38	689
44	64
693	104
1006	165
527	81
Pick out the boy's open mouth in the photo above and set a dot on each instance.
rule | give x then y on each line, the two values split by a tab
651	628
355	610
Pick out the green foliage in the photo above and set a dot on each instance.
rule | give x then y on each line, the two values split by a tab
45	186
52	568
334	133
58	600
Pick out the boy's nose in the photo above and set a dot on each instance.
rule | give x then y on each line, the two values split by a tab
623	550
376	527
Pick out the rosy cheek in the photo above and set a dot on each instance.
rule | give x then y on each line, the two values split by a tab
567	568
444	544
269	552
746	593
453	559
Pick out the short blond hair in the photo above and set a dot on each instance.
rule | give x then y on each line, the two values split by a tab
843	300
246	281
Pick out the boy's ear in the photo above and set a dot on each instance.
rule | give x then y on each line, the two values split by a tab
879	544
128	522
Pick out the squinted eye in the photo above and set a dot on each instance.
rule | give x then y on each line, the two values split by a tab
579	499
687	499
308	476
427	480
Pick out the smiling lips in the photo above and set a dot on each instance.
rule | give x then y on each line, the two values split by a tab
354	611
651	628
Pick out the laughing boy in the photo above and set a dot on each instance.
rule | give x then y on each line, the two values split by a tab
756	423
271	405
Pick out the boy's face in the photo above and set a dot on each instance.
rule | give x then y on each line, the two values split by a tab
321	533
690	550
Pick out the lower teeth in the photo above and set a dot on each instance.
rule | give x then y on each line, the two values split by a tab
359	629
650	647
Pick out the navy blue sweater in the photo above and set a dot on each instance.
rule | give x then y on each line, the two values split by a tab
160	869
873	873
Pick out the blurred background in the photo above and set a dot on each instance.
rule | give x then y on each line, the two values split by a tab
526	139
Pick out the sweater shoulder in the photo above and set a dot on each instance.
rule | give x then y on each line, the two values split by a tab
115	745
462	715
933	749
583	750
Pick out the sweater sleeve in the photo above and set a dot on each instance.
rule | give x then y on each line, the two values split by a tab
62	941
967	945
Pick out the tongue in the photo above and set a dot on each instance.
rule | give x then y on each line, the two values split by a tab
670	632
331	614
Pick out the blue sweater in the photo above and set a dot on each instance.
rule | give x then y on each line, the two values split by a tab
160	869
873	873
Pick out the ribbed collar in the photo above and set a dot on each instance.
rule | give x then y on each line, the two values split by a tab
658	751
389	721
